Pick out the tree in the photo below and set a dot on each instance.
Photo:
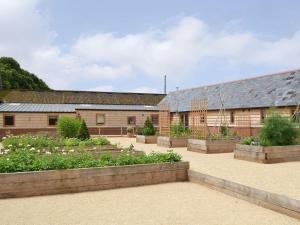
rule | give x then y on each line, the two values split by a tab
14	77
148	127
83	133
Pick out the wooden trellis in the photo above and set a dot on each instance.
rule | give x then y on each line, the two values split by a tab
164	120
199	118
243	123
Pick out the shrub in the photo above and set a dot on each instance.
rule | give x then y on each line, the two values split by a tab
148	127
83	133
224	131
68	127
277	131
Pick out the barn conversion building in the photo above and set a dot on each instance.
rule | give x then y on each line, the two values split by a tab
107	113
244	102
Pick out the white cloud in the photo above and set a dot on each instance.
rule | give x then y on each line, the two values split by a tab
175	50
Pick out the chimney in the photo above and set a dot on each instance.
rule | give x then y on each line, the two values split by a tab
165	84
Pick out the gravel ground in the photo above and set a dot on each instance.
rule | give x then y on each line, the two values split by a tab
280	178
168	204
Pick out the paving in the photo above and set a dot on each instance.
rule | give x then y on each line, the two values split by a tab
280	178
168	204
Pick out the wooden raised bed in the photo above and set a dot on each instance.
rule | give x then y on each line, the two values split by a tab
172	142
146	139
269	154
77	180
211	146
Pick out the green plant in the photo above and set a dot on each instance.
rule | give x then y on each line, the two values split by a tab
178	130
224	131
130	130
277	131
68	127
249	140
23	160
148	127
83	133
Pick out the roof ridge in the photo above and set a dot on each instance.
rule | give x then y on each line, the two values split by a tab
238	80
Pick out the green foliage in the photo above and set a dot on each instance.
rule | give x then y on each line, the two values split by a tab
130	130
23	160
42	142
277	131
83	133
14	77
179	130
249	140
148	127
68	127
224	131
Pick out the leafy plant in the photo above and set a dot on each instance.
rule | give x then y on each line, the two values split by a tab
68	127
224	131
83	133
277	131
130	130
249	140
148	127
179	130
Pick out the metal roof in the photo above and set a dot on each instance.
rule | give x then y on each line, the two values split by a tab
281	89
65	108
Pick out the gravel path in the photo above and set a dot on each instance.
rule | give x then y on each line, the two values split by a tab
168	204
280	178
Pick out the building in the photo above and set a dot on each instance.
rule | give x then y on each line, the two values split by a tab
245	101
107	113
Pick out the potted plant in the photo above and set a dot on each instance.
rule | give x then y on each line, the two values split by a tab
278	141
130	132
146	134
179	135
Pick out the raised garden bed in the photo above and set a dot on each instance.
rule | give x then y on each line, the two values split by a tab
269	154
172	142
211	146
77	180
146	139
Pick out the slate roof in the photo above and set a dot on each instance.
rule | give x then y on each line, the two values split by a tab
65	108
79	97
281	89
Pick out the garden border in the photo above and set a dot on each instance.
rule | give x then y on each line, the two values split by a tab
36	183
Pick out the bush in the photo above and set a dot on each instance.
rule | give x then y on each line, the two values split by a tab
68	127
83	133
277	131
224	131
148	127
178	130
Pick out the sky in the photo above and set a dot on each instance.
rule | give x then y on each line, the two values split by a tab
129	45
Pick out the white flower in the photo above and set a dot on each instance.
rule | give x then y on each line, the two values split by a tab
28	145
4	138
48	153
64	153
72	150
122	150
7	159
9	145
32	149
56	148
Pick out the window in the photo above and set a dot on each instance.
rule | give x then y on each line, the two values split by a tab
262	116
52	120
100	119
231	117
131	120
184	118
9	120
155	119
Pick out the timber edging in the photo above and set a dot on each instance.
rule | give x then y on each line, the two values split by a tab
23	184
269	200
